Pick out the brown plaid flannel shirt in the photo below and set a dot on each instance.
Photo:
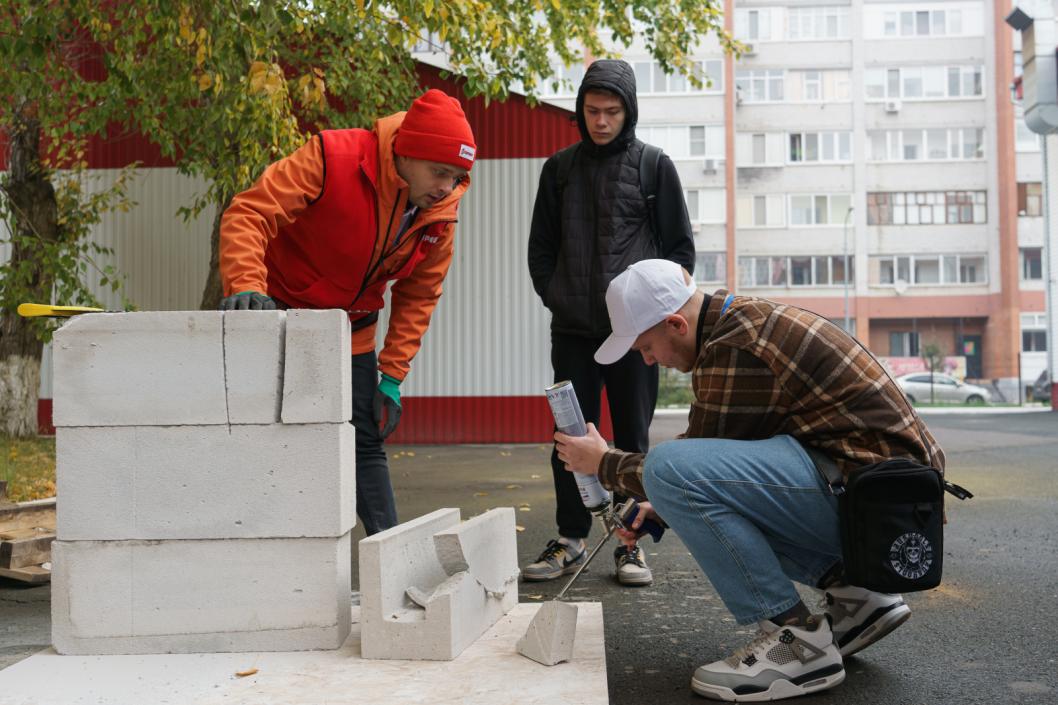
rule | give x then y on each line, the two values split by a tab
766	369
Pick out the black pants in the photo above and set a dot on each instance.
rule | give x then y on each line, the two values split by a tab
632	392
375	503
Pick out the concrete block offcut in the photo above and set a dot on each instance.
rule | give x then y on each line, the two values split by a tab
431	586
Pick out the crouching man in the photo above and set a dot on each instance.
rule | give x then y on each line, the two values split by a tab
773	384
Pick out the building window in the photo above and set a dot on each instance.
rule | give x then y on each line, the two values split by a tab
809	147
710	267
927	208
936	144
760	86
760	149
1031	264
818	209
794	272
1033	341
912	21
1034	332
815	86
706	206
1030	199
651	78
932	270
903	344
754	25
817	22
923	82
565	81
760	211
685	141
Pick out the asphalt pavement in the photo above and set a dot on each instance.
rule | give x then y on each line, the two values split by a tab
988	634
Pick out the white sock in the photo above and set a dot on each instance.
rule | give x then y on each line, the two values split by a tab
577	544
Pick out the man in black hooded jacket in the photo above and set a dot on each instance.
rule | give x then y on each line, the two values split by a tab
592	219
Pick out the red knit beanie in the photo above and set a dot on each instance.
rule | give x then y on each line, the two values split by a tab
436	129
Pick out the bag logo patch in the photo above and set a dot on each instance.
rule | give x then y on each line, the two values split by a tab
911	555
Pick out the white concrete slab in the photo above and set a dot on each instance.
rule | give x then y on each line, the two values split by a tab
137	597
489	672
317	367
150	368
254	342
206	482
431	586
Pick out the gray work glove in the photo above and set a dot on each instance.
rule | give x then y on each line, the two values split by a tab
247	301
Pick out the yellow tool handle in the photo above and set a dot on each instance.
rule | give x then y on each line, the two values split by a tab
36	310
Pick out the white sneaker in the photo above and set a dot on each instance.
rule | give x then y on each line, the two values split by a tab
782	662
860	617
631	566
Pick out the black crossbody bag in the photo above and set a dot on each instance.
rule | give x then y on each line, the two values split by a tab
892	522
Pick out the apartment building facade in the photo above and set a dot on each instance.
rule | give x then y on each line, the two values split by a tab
864	160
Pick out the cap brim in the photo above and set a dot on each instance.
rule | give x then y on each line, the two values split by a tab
614	348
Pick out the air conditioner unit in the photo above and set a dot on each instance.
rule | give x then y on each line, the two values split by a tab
710	166
892	106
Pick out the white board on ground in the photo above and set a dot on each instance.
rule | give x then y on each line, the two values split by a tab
489	672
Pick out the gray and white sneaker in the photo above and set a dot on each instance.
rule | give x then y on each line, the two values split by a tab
557	560
860	617
782	662
632	568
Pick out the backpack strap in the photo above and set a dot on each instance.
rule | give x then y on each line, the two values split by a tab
565	166
649	160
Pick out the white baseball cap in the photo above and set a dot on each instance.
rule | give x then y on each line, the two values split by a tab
638	299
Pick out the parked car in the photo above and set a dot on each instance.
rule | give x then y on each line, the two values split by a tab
1041	388
946	389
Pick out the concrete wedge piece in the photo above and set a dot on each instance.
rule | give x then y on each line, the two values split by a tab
549	638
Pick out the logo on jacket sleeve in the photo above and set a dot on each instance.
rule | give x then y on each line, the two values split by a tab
467	152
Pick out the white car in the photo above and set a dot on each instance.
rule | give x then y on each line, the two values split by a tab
946	389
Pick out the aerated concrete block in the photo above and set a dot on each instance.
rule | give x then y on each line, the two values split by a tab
430	587
317	376
124	369
253	365
549	638
139	597
206	482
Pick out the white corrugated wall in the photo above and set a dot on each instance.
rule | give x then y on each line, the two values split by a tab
164	259
490	334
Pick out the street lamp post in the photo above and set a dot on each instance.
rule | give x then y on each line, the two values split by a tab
846	251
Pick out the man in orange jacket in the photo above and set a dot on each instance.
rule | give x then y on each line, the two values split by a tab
331	225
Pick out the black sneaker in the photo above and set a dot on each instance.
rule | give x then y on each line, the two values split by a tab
557	560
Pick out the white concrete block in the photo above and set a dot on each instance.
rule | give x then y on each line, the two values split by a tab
253	365
317	377
122	369
550	636
430	587
138	597
206	482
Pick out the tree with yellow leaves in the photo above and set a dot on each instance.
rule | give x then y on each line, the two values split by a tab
226	88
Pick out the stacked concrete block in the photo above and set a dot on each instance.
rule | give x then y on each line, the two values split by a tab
431	586
195	513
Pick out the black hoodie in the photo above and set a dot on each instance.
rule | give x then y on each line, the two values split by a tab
583	237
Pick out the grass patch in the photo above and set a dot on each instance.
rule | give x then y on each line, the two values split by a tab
28	466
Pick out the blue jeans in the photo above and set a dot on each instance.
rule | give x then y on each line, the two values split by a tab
755	515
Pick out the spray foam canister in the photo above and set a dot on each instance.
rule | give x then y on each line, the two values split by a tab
570	421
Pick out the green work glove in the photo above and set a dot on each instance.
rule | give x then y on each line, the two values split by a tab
387	397
247	301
